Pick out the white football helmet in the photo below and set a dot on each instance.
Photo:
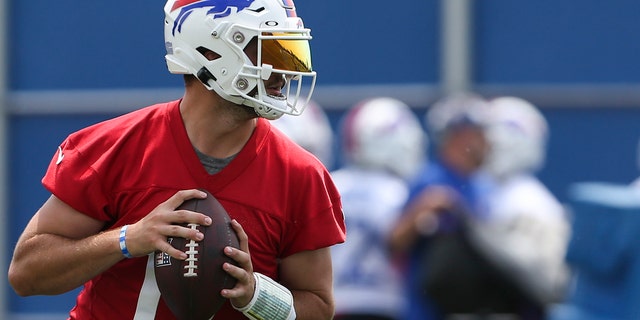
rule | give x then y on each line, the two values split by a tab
226	27
384	133
455	109
517	133
311	130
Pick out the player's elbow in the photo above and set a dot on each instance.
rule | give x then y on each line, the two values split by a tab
24	280
314	306
330	310
19	281
327	308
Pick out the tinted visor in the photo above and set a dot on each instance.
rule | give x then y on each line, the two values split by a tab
286	54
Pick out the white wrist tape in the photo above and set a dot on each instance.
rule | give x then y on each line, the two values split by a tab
271	301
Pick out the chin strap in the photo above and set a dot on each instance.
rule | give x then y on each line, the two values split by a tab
261	109
264	111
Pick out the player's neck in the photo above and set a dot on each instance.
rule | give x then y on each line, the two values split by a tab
215	126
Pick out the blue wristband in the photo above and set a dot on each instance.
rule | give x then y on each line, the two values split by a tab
123	244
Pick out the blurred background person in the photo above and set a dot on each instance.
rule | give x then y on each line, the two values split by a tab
526	230
383	144
312	131
438	261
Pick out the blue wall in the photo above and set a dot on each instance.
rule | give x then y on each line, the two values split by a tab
548	41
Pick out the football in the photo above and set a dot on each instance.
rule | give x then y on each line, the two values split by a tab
191	287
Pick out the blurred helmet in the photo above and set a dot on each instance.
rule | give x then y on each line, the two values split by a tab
459	109
457	123
517	133
311	130
226	27
384	133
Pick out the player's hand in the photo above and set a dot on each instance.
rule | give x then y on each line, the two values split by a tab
241	294
151	232
429	203
435	199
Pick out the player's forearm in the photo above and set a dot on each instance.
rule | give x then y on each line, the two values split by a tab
419	220
404	234
49	264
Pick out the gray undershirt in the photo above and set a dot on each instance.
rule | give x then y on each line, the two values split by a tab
211	164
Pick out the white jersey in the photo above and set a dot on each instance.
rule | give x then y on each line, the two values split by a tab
365	281
526	233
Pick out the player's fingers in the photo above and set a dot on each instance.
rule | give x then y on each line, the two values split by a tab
183	195
237	272
187	216
243	288
240	296
167	248
191	232
242	236
237	294
242	258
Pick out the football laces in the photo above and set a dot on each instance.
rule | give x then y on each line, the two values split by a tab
191	267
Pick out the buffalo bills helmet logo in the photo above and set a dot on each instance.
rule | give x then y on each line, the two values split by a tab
219	9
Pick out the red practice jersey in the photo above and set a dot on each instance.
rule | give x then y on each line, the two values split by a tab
118	170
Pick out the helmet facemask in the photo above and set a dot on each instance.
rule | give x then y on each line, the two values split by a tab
282	58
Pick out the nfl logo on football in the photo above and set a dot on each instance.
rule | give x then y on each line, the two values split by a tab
162	258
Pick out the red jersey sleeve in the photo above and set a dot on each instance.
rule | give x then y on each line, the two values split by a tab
319	219
72	178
